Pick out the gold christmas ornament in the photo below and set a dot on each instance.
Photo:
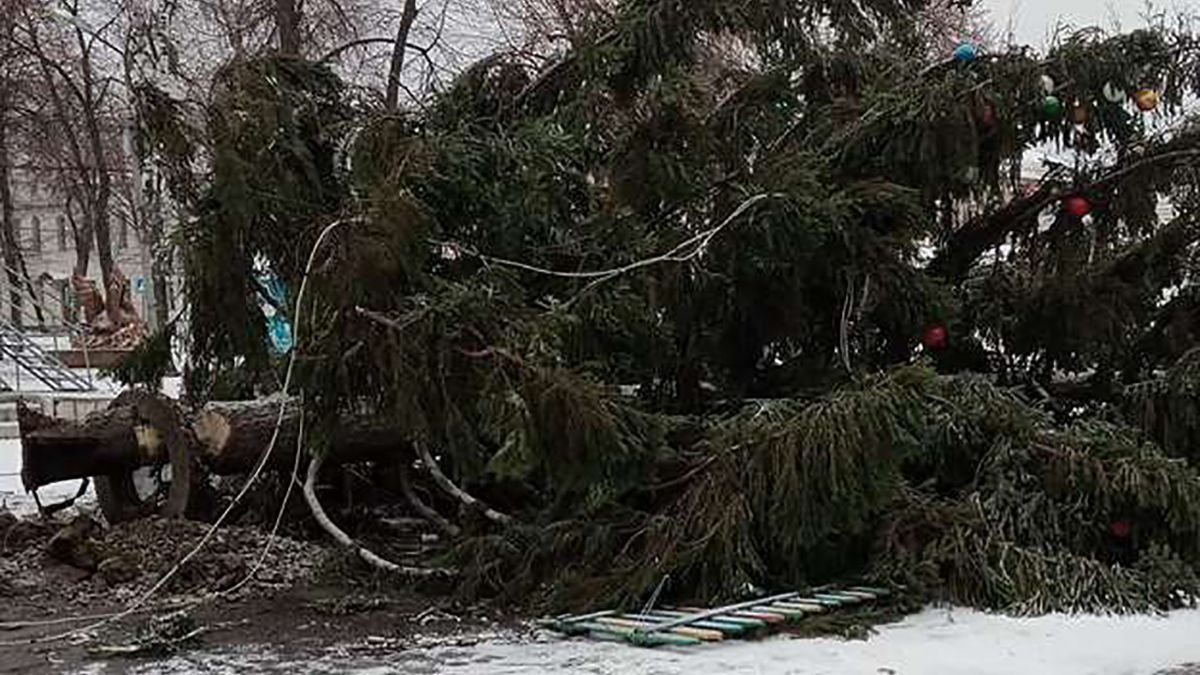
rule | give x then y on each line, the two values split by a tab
1146	99
1080	112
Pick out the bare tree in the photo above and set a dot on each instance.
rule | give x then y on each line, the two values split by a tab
78	97
11	65
399	47
287	25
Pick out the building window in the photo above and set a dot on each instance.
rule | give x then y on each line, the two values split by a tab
64	234
123	236
35	234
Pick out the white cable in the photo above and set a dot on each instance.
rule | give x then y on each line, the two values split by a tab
287	494
254	476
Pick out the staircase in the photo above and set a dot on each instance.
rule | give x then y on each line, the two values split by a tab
8	420
26	355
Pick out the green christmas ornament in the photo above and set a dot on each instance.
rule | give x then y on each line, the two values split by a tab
1052	108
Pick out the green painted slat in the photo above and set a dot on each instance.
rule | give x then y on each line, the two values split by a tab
703	634
654	627
638	637
758	613
790	613
660	619
820	600
807	607
848	597
744	621
841	599
722	624
716	611
880	592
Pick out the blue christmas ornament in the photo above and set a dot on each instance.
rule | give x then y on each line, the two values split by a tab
280	333
965	52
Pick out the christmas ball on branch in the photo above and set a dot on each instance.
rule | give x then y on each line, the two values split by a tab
985	116
1080	113
1052	108
1113	93
934	336
1120	529
1146	99
1077	205
965	53
1048	84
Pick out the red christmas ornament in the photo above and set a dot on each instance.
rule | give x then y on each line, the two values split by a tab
985	115
934	337
1077	206
1120	529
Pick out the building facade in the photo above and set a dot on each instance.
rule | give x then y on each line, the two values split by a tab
47	245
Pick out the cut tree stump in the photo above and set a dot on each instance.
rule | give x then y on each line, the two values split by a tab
140	429
231	436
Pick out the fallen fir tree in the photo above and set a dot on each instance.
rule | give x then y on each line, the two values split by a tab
741	295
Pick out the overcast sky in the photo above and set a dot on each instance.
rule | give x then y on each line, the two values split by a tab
1033	20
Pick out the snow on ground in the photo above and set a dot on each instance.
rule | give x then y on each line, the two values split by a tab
12	493
958	642
933	642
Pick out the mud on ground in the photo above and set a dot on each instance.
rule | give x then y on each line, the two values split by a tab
304	596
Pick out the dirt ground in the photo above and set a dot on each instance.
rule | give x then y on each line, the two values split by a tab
303	619
304	597
309	608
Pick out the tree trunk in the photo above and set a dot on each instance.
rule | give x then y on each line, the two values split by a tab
103	179
54	450
8	229
225	437
287	24
401	44
82	234
159	262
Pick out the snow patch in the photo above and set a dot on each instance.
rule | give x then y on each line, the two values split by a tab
12	492
933	642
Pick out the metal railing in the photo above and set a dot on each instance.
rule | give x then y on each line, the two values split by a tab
77	332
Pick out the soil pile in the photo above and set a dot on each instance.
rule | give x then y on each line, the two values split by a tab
77	562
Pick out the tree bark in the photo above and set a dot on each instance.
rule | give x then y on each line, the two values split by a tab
14	262
103	179
392	100
287	24
233	434
225	437
159	266
53	450
8	229
83	189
